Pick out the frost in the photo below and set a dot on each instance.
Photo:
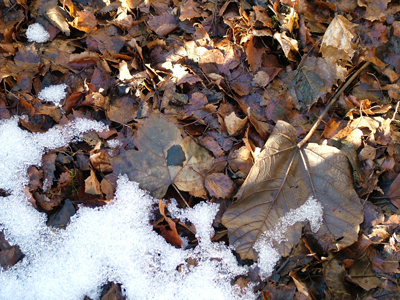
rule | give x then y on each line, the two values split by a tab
53	93
114	143
311	211
37	33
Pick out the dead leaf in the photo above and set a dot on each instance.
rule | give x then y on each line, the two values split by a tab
190	10
219	185
235	125
361	273
92	185
283	178
164	24
315	79
289	46
84	21
55	15
337	44
368	152
335	274
255	49
48	166
169	233
100	161
164	158
394	192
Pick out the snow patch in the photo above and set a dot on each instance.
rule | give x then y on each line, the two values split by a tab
37	33
112	243
53	93
115	242
311	211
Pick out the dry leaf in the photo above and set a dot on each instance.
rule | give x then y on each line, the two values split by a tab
283	178
219	185
289	46
235	125
164	158
55	15
92	185
337	44
163	25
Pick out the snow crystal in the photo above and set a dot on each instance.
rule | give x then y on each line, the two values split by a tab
53	93
37	33
311	210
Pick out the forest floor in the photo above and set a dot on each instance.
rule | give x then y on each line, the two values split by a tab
260	107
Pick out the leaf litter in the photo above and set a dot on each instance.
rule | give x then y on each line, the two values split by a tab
281	104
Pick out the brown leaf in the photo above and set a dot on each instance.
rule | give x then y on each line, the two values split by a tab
367	152
92	185
84	21
189	10
289	46
164	24
283	178
235	125
55	15
122	109
219	185
315	79
169	232
335	275
361	273
48	166
164	158
100	161
394	192
255	49
211	60
337	44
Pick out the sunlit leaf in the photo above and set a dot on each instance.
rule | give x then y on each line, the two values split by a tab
283	178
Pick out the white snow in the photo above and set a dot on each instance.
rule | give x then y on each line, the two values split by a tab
37	33
311	210
53	93
115	242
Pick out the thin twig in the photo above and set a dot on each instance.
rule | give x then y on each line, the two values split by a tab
328	107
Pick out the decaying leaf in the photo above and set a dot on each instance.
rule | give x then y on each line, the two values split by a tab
219	185
164	158
314	79
283	178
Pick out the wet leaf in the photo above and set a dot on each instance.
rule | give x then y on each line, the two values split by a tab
283	178
164	158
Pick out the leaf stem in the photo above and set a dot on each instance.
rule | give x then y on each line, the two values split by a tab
328	107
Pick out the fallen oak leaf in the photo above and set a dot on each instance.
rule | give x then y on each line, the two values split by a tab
283	177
